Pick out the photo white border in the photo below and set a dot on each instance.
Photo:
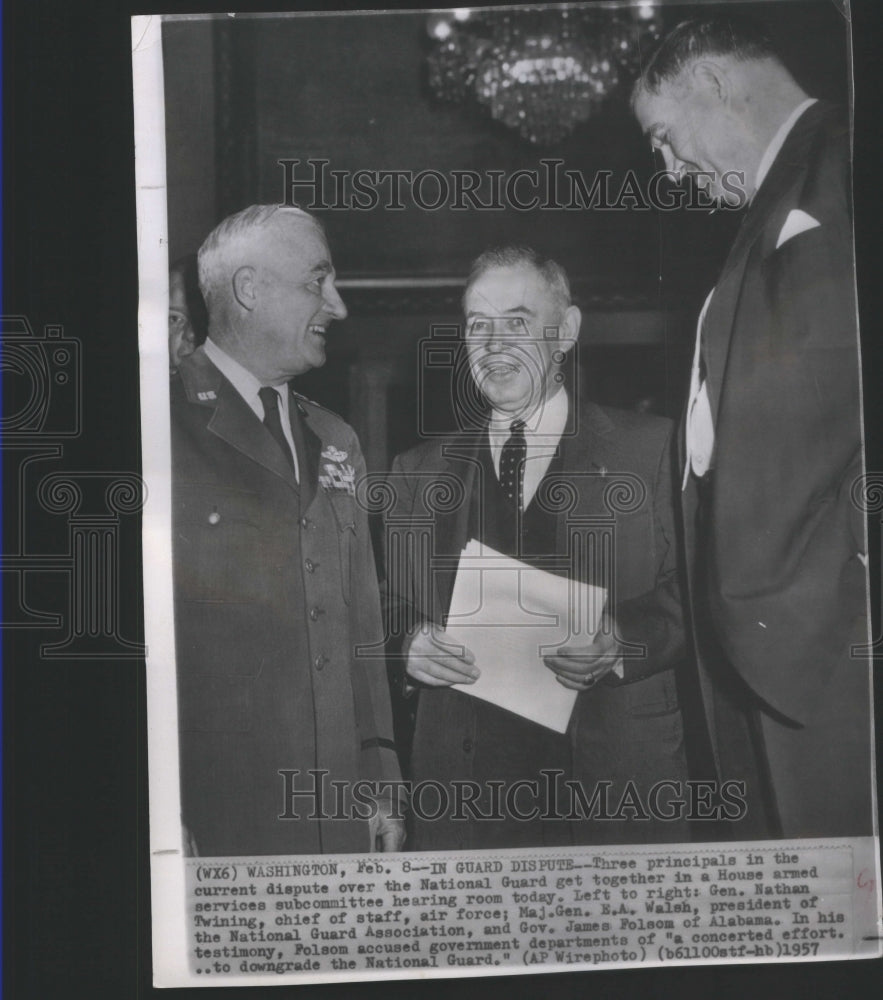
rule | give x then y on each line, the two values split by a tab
171	963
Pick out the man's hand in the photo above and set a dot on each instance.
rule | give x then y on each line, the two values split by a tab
581	667
387	830
435	661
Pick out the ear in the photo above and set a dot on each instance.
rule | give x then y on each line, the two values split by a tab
244	284
710	78
569	328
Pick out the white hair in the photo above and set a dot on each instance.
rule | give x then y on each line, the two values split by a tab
221	252
551	272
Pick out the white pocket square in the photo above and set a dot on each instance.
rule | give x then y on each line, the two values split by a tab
797	222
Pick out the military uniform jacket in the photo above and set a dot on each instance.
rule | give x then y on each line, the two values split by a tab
275	594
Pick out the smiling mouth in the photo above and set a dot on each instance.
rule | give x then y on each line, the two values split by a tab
500	369
315	328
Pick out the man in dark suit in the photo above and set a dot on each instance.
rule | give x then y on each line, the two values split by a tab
275	586
772	440
550	479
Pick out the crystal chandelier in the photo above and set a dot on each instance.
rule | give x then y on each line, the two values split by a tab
539	70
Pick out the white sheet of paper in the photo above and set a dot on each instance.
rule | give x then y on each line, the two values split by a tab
510	615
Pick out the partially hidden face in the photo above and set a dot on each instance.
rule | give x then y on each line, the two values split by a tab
182	339
515	337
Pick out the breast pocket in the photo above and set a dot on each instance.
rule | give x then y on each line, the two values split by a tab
217	544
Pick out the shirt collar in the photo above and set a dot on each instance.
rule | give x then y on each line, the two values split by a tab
240	378
547	421
778	140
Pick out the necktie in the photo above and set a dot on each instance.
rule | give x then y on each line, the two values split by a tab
512	465
272	420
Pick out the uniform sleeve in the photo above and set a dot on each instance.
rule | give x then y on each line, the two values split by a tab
404	610
370	686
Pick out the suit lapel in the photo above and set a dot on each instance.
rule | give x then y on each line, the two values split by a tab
589	461
769	203
236	423
788	164
232	419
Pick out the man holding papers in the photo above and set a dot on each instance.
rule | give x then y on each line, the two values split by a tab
553	484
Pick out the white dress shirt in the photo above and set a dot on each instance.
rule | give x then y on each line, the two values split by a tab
542	434
700	423
248	387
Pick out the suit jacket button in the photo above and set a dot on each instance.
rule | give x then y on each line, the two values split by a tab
467	746
305	522
320	662
315	612
310	565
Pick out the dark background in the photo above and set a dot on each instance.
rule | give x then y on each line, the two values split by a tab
243	93
76	877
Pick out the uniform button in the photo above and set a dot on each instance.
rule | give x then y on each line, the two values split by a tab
310	565
305	522
467	746
315	612
320	662
214	517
